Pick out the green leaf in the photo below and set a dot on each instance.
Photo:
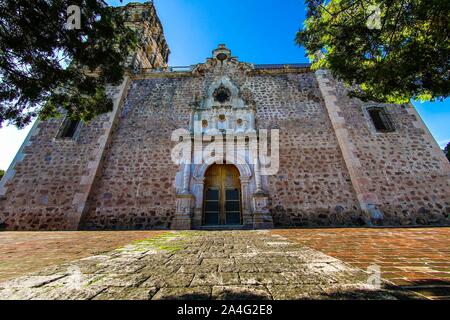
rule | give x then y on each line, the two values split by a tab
408	58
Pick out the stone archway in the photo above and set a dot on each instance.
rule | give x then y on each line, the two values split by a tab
246	188
189	210
244	169
222	197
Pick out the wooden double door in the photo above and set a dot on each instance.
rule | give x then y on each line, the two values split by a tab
222	198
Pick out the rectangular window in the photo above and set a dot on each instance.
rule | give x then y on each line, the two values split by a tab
380	120
68	128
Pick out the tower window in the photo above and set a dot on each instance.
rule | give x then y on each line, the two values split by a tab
380	119
68	128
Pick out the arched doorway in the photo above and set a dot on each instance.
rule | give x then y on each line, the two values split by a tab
222	198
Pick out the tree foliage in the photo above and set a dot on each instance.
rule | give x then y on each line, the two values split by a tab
447	151
45	67
406	56
2	173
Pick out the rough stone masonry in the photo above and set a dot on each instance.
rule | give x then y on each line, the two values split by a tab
342	162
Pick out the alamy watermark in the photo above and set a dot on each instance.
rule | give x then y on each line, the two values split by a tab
73	18
261	148
374	19
374	279
74	278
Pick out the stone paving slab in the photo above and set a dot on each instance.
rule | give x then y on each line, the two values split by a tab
25	252
415	259
202	265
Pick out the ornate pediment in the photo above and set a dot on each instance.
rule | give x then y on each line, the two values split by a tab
222	62
225	107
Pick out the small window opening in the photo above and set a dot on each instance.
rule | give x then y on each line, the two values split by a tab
69	128
380	120
222	118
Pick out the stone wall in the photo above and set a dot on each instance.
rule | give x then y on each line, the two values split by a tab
136	189
40	193
334	167
405	172
47	185
312	186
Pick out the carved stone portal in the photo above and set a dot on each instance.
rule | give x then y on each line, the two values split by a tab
224	111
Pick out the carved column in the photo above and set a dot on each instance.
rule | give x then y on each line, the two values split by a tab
185	203
183	215
262	218
197	190
258	179
247	219
186	178
251	122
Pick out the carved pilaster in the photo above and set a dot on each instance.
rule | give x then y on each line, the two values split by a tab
262	218
247	218
186	178
185	210
197	190
258	180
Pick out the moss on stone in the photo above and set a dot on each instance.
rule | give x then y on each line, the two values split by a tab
94	281
170	242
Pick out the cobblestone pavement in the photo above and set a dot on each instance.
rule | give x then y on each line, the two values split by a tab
413	258
202	265
25	252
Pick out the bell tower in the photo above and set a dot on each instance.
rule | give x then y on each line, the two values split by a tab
153	51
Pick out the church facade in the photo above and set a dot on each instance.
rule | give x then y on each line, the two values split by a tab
226	144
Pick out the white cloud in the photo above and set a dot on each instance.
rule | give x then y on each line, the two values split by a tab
11	139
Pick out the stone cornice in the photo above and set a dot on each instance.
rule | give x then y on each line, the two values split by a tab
187	74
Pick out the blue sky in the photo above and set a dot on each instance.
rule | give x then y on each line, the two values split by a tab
257	31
